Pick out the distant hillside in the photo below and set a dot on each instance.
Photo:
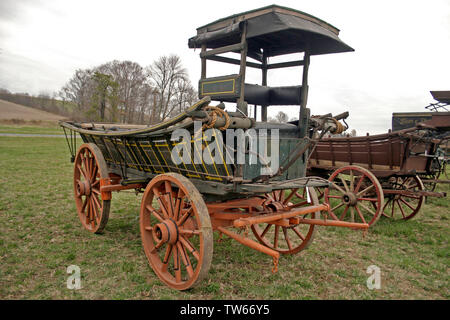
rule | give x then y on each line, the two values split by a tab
13	111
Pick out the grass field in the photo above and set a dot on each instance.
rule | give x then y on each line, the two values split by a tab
50	128
40	236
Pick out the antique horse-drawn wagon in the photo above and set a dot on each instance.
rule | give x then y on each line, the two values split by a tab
381	174
184	202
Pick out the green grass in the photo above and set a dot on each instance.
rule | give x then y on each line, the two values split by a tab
51	128
40	236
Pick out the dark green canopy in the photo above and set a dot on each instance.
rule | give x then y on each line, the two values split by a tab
273	29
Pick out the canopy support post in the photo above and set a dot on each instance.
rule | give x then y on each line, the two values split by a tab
241	104
264	83
304	116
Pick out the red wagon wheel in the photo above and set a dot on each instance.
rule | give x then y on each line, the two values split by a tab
287	240
355	195
176	231
404	206
90	167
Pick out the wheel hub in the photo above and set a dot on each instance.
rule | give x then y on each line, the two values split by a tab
349	198
84	188
166	232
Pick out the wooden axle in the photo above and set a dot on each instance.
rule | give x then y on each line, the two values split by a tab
267	218
118	187
335	223
418	193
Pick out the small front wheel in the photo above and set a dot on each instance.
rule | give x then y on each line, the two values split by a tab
176	231
292	239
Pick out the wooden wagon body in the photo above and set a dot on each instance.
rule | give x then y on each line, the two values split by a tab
380	174
405	152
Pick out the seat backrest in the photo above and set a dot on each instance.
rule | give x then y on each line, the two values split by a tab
227	89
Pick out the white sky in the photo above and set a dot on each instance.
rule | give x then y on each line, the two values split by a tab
402	48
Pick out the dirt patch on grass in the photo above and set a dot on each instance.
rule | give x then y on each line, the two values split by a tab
12	113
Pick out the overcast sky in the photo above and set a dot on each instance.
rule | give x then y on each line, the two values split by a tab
402	48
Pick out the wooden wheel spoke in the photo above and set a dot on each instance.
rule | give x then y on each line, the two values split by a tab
176	264
91	162
333	215
163	208
334	197
187	244
184	217
359	194
95	210
344	183
275	239
352	214
169	199
157	246
406	203
344	213
265	230
360	214
337	188
154	213
94	175
169	205
367	209
401	209
298	233
338	206
178	203
289	197
368	199
81	169
358	185
97	201
286	237
300	196
86	169
352	186
185	259
189	232
83	207
393	207
166	259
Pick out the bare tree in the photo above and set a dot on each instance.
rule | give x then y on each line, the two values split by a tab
131	78
79	89
168	76
281	117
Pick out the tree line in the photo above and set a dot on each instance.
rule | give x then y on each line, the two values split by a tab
118	91
125	92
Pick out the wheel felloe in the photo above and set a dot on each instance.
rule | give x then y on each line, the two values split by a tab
176	231
89	169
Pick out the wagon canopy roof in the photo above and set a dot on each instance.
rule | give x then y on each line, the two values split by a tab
441	96
275	29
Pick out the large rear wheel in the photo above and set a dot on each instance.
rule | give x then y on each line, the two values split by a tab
89	169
